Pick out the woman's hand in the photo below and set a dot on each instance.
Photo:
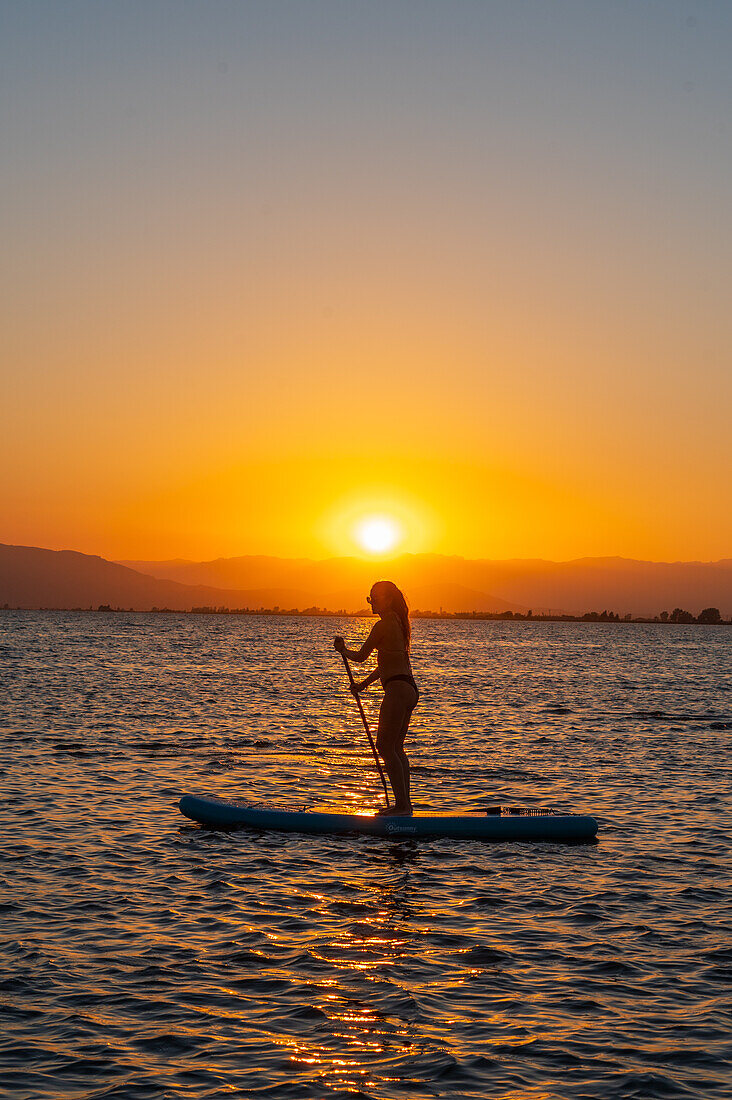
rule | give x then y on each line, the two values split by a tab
356	689
339	644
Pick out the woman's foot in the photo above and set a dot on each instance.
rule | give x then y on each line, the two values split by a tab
394	811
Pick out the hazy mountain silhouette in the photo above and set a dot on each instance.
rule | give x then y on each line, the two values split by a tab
32	577
432	581
335	583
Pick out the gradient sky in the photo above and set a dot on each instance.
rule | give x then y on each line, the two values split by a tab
271	267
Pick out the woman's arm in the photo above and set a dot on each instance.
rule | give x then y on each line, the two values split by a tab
368	647
368	681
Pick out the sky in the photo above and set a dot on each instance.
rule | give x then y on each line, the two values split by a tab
276	269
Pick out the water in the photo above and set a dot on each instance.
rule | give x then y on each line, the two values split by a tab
145	957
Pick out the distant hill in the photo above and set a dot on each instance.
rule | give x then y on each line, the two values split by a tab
32	577
336	583
459	584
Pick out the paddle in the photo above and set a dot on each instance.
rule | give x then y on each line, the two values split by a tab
352	682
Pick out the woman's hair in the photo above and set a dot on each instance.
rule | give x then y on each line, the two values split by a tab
396	603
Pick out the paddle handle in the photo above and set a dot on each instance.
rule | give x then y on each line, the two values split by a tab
352	682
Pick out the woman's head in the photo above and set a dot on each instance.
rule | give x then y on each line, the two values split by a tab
385	597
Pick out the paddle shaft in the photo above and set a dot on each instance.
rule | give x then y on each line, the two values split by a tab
366	726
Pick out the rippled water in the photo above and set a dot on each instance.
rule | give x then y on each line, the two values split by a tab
145	957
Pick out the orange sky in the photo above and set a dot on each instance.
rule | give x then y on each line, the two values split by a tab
252	298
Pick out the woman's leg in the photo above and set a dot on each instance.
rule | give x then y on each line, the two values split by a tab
393	722
403	756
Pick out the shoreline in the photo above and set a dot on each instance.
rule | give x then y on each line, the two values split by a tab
460	616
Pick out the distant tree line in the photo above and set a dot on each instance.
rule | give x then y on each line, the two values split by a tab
709	616
678	615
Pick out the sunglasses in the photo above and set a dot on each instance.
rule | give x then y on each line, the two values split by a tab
368	599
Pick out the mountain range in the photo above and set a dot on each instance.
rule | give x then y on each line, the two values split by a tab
32	577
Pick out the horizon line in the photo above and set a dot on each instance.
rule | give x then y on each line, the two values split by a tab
315	612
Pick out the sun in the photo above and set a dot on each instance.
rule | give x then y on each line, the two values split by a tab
377	534
376	522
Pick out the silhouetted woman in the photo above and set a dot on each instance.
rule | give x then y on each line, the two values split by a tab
390	638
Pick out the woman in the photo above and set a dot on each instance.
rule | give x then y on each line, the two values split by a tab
390	638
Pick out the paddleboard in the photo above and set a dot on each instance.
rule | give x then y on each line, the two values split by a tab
502	824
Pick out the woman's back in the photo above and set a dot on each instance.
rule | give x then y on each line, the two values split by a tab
391	650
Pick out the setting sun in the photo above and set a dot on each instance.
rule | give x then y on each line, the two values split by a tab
377	534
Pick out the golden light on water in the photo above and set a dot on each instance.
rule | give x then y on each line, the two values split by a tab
378	534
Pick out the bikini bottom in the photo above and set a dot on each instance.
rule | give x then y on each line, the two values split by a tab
407	680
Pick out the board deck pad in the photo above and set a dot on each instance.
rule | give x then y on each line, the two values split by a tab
500	824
